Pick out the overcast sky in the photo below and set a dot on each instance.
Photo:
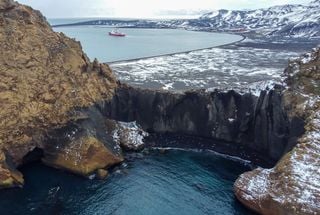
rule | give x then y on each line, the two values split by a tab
142	8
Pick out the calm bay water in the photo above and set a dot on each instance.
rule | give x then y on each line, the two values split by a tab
178	182
141	43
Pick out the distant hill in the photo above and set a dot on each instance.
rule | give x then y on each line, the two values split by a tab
285	20
290	20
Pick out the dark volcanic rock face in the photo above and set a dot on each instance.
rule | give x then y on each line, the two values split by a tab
259	123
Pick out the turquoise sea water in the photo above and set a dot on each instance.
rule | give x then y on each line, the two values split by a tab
177	182
141	43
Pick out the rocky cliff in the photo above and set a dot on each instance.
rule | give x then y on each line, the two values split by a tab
44	79
293	185
243	121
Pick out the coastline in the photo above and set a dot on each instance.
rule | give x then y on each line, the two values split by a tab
162	55
182	52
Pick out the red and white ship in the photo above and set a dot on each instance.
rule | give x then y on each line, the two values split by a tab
116	33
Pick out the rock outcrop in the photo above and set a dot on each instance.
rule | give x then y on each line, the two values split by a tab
83	146
245	121
293	185
129	135
9	175
44	78
82	156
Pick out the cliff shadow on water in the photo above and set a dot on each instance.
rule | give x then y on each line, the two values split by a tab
252	127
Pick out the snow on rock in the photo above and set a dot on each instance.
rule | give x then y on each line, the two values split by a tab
306	58
284	20
293	185
129	135
302	73
231	120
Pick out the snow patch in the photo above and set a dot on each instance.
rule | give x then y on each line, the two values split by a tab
129	134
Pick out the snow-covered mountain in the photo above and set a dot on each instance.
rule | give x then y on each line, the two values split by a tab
291	20
285	20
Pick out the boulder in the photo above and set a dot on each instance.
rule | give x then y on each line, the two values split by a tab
9	176
83	146
81	156
102	174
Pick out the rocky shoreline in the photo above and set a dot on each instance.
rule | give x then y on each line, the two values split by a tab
74	115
